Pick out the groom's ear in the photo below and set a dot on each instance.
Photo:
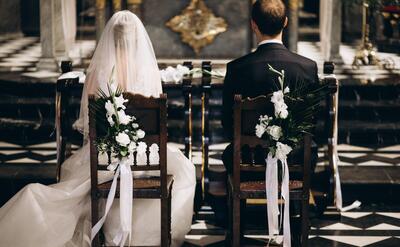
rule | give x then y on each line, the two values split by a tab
254	26
286	22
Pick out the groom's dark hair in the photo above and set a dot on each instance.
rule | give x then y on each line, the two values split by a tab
269	15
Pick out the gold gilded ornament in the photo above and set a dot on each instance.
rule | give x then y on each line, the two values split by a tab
197	25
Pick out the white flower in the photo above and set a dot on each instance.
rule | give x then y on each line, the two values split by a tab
123	118
283	113
277	97
140	134
282	151
123	139
110	120
132	147
167	74
275	132
260	130
183	69
281	110
135	125
287	90
119	101
141	148
109	108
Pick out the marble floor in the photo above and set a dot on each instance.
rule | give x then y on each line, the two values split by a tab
373	224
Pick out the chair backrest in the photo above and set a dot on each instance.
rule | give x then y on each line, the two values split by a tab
151	115
249	151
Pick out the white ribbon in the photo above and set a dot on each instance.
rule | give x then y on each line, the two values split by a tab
126	200
271	188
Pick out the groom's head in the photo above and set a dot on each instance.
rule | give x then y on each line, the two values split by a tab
268	18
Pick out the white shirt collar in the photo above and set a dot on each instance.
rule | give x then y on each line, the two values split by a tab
270	41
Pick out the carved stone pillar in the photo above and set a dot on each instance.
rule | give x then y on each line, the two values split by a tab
331	29
100	17
135	6
291	32
51	36
117	5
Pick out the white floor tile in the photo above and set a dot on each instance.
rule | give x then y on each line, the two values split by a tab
358	241
384	226
375	163
355	215
340	226
204	240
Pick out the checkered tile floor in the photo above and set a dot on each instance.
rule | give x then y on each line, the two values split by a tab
377	225
22	54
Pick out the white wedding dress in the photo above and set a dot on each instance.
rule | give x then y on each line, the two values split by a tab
59	215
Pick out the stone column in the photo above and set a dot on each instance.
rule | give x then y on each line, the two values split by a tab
331	29
291	32
100	17
56	35
135	6
50	26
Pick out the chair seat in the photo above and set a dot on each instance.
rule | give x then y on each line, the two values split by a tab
256	189
142	187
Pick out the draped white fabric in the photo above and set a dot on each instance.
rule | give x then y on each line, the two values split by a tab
59	214
126	45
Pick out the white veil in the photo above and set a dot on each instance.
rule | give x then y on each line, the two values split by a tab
126	45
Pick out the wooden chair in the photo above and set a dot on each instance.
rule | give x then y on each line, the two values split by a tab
152	118
246	115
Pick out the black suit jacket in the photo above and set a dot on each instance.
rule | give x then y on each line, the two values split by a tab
250	77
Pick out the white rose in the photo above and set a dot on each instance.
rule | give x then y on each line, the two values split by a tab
135	125
140	134
277	97
109	108
123	139
284	114
279	108
119	101
123	118
141	148
183	69
260	130
167	74
177	76
282	151
275	132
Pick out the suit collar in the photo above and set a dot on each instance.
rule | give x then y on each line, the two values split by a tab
271	46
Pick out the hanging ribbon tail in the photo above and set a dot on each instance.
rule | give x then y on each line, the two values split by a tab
126	200
110	199
285	195
338	187
271	188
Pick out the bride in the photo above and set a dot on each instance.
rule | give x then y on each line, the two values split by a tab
59	214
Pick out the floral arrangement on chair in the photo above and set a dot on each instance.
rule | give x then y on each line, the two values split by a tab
292	118
119	135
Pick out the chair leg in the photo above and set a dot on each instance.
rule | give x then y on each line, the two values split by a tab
236	222
95	219
305	224
228	237
242	220
169	218
164	222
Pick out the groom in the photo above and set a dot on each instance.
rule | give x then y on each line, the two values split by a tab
249	75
